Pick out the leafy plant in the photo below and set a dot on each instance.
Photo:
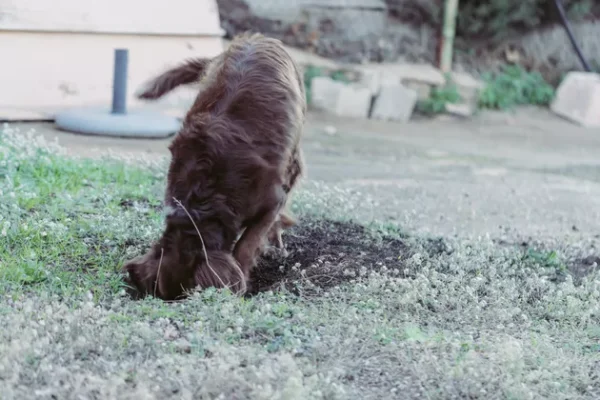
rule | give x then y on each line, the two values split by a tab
439	97
515	86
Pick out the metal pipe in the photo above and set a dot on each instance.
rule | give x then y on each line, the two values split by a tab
119	97
563	18
448	34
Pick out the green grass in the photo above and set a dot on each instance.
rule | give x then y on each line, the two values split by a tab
62	217
450	319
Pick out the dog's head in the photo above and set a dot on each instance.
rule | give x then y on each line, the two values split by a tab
182	261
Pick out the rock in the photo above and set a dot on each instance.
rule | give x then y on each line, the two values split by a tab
353	101
344	100
423	89
578	99
401	73
395	102
325	92
468	88
419	77
460	109
371	80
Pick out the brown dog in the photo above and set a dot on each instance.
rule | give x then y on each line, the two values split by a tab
194	71
234	163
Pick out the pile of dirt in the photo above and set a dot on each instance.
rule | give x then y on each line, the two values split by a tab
324	254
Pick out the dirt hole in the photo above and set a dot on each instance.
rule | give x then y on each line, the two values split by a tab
327	253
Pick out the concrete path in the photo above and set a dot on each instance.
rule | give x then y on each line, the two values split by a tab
510	175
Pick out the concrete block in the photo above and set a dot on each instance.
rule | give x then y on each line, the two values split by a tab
372	80
344	100
578	99
353	101
325	92
423	89
402	72
464	110
395	103
468	87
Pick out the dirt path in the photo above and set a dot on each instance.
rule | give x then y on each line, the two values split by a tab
511	175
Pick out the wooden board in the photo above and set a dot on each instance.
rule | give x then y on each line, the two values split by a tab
44	73
151	17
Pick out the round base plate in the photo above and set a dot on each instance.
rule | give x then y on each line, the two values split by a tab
100	121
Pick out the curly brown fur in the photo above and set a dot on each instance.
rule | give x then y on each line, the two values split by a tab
234	162
193	71
188	72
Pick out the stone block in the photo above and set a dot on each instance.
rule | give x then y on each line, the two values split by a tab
395	102
372	80
324	93
353	101
460	109
401	72
468	87
341	99
578	99
423	89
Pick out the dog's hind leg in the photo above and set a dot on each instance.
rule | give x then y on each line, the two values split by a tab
296	170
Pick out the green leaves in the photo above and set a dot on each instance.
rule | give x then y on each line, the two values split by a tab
515	86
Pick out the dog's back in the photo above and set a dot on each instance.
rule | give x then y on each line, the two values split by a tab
255	85
242	131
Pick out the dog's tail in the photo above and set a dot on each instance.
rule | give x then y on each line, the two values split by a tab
187	72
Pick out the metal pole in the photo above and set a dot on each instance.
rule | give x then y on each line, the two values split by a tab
448	32
565	22
119	99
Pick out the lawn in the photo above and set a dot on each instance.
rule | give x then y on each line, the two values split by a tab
359	310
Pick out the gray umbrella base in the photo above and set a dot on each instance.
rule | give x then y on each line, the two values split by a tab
99	121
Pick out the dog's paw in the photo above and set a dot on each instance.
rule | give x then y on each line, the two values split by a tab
275	252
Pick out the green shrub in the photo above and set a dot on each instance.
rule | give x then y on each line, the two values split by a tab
515	86
439	97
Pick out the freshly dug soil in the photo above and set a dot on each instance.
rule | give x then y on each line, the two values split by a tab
323	254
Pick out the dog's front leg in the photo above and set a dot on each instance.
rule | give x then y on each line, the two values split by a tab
254	238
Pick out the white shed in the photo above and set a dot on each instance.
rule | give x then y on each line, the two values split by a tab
58	54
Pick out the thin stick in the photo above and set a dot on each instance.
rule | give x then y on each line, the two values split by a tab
158	273
205	252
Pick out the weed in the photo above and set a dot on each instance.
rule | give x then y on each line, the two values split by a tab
515	86
439	97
